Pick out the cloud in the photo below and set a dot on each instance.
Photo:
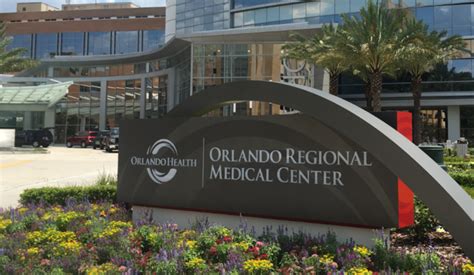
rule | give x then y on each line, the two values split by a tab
10	5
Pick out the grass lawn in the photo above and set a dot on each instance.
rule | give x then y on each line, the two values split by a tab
469	190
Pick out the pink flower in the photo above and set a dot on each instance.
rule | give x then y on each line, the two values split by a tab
256	251
45	262
122	268
213	250
260	244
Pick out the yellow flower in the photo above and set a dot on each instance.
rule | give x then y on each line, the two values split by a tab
33	251
326	259
50	236
362	250
46	216
57	209
359	271
191	244
468	268
195	263
4	224
107	268
243	246
188	234
252	266
63	219
22	210
112	209
113	228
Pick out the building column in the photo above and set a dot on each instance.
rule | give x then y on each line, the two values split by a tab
82	126
454	123
143	98
49	118
171	91
27	120
103	106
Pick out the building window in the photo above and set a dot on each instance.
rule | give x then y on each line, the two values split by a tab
126	42
72	43
153	39
467	123
99	43
46	45
21	41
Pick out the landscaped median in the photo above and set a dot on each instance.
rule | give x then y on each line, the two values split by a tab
82	230
98	238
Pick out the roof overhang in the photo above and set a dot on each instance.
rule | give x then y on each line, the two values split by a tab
260	34
47	95
173	47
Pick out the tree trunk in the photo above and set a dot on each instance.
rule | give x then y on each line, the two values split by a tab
375	90
417	123
368	96
333	84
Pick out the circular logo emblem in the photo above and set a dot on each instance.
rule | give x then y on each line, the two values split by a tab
154	150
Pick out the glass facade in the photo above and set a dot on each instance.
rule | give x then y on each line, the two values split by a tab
216	64
72	43
24	41
78	111
126	42
327	11
46	45
100	43
249	3
123	101
210	64
467	123
156	90
202	15
153	39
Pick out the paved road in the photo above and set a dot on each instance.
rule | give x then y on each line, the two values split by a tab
62	167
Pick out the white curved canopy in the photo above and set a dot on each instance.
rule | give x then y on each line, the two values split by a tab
48	94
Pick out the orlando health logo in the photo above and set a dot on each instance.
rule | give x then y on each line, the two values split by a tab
160	168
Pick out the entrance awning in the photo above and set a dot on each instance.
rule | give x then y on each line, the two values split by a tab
48	94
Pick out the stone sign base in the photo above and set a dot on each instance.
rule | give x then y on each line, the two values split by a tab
185	219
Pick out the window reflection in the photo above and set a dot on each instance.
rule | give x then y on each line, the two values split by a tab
46	45
99	43
72	43
126	42
21	41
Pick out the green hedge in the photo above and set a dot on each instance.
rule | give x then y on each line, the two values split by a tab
60	195
463	178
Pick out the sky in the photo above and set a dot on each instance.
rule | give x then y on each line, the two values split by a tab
10	5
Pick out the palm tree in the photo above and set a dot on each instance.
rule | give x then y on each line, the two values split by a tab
321	50
12	60
421	53
371	42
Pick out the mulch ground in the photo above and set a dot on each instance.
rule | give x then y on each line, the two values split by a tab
441	243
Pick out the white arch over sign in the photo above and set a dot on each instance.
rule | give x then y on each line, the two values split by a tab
446	199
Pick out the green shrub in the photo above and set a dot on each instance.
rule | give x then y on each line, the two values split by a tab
106	179
60	195
463	178
385	258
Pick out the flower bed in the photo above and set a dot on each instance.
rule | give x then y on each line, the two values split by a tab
100	239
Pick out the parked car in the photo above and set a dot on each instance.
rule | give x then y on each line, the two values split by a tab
99	140
82	139
36	138
112	140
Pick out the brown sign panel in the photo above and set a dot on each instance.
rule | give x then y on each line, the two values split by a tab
287	167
